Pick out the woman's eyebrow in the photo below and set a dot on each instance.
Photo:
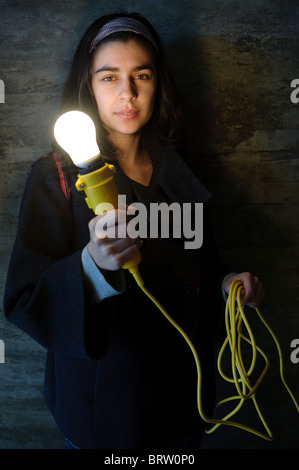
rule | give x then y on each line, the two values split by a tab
108	68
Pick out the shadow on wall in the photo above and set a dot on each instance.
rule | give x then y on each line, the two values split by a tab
241	121
245	131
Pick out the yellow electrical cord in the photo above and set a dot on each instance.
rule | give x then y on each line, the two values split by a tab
234	319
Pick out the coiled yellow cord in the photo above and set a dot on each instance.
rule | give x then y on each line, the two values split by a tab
234	319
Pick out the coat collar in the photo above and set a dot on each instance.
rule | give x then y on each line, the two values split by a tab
172	174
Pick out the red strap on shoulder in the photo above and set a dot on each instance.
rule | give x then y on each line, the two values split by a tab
62	177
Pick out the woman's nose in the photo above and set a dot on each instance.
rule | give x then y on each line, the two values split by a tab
128	90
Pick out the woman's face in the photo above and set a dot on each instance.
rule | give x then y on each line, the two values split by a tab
124	85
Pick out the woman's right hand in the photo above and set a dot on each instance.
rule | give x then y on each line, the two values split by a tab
110	245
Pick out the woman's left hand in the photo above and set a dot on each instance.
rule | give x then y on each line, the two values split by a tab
253	292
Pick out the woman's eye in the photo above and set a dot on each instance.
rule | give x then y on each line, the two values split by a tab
143	76
108	79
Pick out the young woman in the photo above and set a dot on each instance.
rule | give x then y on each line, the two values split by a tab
118	374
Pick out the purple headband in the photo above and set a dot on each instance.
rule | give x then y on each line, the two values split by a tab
123	24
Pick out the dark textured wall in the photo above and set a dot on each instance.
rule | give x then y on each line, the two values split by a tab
234	62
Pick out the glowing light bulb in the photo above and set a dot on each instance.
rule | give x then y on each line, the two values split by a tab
75	132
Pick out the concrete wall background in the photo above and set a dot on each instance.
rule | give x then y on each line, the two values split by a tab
234	62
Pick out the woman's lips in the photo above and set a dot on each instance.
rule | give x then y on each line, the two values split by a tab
127	114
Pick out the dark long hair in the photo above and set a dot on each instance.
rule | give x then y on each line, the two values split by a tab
166	122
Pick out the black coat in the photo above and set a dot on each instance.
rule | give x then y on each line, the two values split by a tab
118	374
